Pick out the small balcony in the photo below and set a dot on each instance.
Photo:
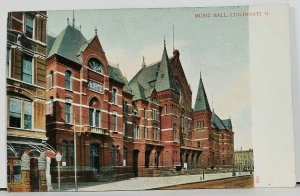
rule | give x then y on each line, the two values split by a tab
97	130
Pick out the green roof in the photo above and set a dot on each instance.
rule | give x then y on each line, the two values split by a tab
68	43
50	42
150	78
217	123
165	78
116	74
227	123
201	102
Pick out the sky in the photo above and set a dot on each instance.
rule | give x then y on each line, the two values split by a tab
216	46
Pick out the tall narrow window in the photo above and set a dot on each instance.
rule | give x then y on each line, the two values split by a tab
166	108
72	153
15	113
125	107
146	132
51	79
68	76
112	155
125	157
29	25
124	127
64	151
51	106
118	155
175	132
91	116
136	131
154	114
115	121
27	115
97	118
114	96
27	69
68	110
154	134
145	113
8	62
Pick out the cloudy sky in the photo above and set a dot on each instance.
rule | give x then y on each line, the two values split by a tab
216	46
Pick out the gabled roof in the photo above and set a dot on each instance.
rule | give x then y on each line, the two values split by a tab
201	102
217	123
68	43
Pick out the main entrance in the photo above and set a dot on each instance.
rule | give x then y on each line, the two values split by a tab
34	175
95	158
135	163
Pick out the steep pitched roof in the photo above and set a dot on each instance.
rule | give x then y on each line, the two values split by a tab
116	74
227	123
149	78
165	78
217	122
50	42
201	102
68	43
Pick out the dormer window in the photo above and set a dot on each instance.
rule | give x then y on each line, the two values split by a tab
96	65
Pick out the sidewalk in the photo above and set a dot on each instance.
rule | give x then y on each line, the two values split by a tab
144	183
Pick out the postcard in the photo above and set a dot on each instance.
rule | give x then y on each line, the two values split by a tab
145	99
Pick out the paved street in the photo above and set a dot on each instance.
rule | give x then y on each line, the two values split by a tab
144	183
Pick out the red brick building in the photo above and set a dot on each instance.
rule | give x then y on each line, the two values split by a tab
135	128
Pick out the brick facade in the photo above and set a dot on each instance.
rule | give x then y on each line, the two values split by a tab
145	125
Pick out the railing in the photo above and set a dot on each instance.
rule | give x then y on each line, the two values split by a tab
97	130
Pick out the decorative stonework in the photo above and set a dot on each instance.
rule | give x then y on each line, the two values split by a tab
25	162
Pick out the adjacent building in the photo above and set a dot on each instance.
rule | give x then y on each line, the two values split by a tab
243	160
26	95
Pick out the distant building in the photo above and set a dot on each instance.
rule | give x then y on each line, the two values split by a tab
243	160
26	93
136	127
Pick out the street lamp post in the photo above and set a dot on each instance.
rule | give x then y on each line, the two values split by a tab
75	154
58	159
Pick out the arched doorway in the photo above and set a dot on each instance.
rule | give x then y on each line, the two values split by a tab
135	163
34	175
95	158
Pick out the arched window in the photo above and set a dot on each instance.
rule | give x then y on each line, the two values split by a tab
96	65
94	113
114	96
115	121
68	81
51	79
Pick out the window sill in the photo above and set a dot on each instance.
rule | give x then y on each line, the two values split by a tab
69	90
